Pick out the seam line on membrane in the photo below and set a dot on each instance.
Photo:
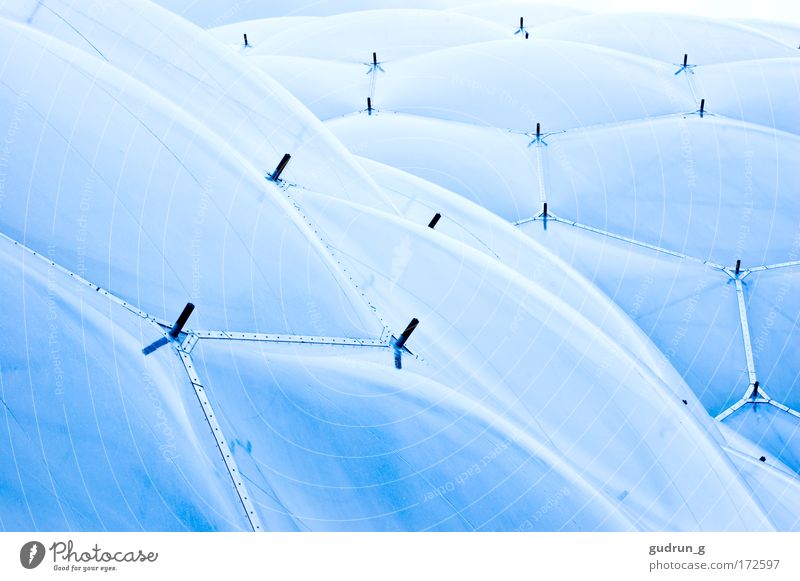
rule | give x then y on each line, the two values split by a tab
540	168
188	365
745	326
761	400
280	338
78	278
763	397
227	457
386	331
554	218
193	336
788	264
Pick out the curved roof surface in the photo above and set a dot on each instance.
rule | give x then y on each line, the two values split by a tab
140	174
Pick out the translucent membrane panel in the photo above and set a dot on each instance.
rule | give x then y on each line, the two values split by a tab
212	13
689	310
785	32
491	84
667	37
773	308
393	34
701	186
419	200
256	30
760	91
93	434
514	85
135	196
774	431
601	409
507	14
777	492
488	166
328	88
707	187
338	439
246	110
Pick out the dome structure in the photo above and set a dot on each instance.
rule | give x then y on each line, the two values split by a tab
509	281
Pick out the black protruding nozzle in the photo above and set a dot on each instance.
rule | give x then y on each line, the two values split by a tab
281	166
369	105
538	131
520	22
375	59
702	107
401	341
245	41
434	221
738	267
685	59
544	210
755	390
182	318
